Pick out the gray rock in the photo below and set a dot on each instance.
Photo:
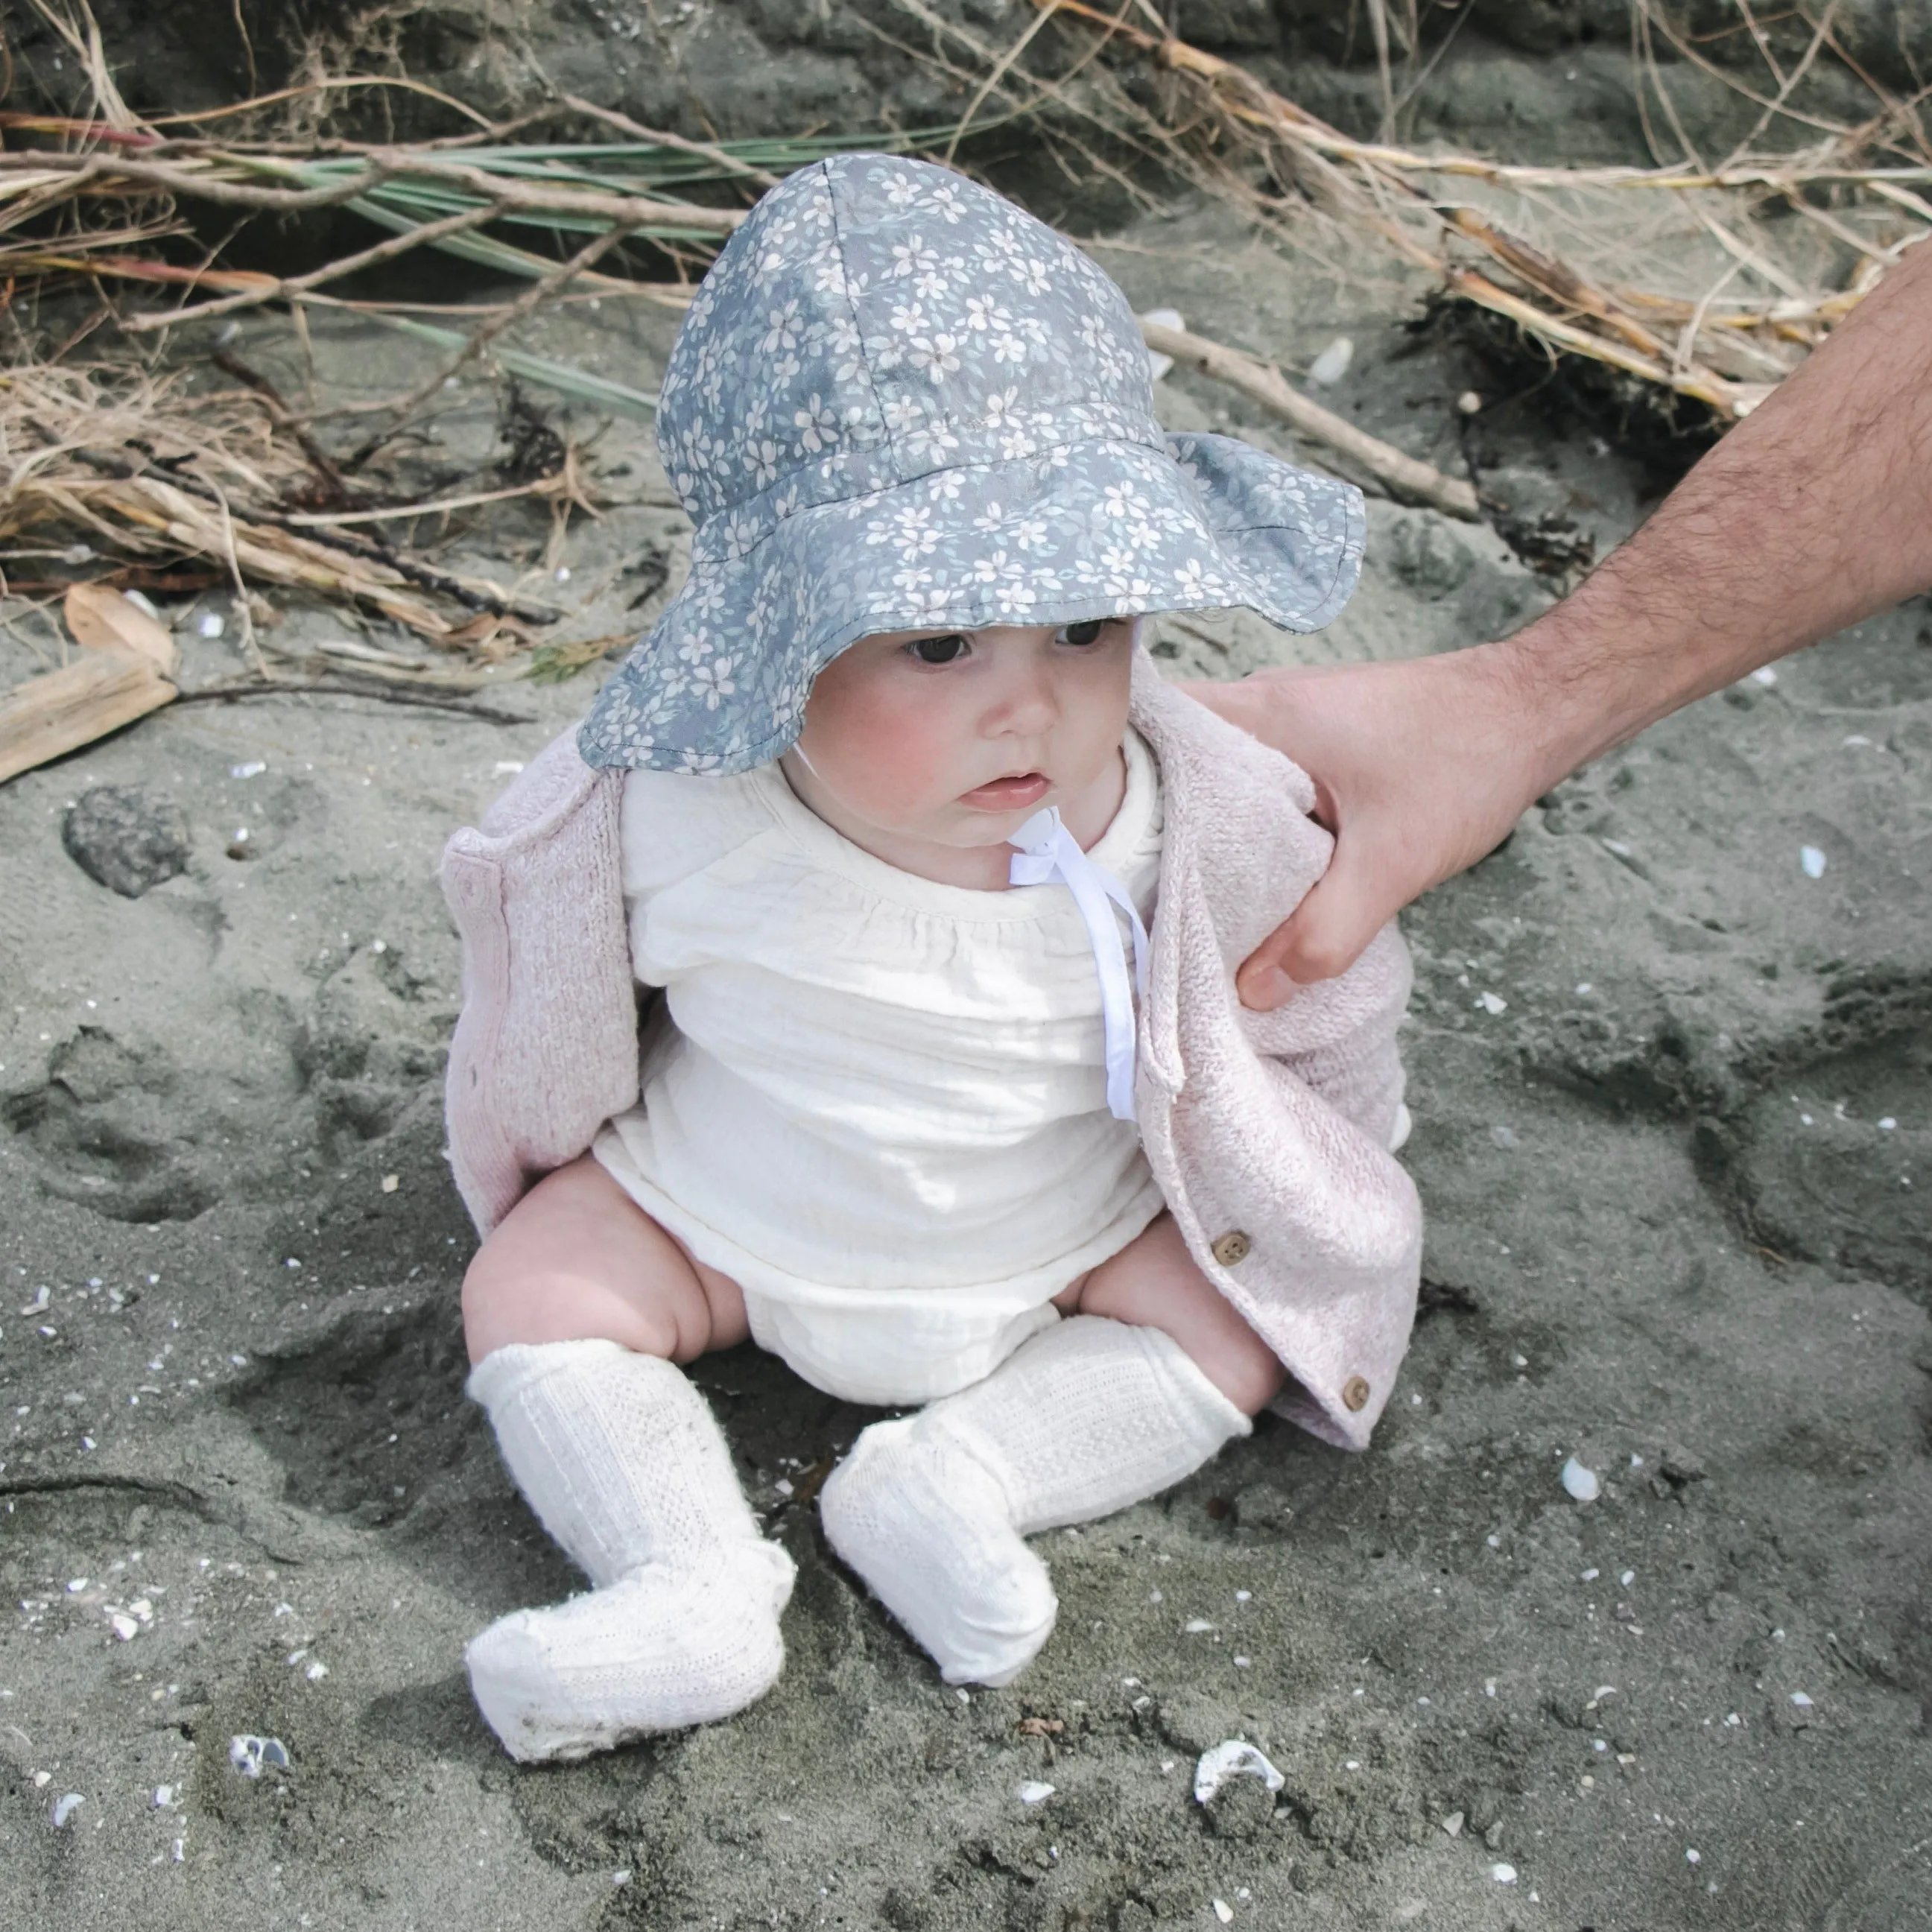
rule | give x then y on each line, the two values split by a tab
124	840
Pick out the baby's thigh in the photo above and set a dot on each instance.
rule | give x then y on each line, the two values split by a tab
1152	1283
578	1260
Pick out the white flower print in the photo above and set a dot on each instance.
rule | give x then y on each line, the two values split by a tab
911	257
1032	275
712	681
998	405
897	400
913	532
936	358
761	459
927	442
817	423
1193	582
783	332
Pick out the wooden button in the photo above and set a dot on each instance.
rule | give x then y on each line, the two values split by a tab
1354	1394
1231	1249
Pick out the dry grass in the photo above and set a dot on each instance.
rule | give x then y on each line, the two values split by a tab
1710	277
127	476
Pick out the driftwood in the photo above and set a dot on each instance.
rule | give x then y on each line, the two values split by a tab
123	672
1406	476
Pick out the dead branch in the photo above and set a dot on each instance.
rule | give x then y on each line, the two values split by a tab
1406	476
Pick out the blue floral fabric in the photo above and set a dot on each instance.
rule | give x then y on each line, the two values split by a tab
897	401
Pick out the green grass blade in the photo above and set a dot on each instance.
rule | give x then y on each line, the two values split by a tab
580	384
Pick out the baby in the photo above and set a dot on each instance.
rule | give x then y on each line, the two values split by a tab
887	805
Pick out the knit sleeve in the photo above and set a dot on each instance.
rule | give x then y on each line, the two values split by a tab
1339	1037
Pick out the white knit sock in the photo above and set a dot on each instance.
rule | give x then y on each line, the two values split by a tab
1085	1418
622	1461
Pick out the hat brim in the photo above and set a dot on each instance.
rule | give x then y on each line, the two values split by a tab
1096	528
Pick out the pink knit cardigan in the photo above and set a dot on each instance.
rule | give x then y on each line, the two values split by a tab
1267	1133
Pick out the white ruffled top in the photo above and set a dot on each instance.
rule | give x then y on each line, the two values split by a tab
878	1103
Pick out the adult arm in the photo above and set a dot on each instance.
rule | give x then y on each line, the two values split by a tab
1814	512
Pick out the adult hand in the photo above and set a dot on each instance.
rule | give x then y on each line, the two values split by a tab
1815	512
1419	771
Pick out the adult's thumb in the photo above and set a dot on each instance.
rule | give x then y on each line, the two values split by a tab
1322	937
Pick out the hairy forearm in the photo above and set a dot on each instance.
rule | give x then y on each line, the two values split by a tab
1815	512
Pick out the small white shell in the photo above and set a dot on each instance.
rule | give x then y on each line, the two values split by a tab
1503	1874
1581	1483
1158	364
249	1754
1332	365
1034	1793
1233	1758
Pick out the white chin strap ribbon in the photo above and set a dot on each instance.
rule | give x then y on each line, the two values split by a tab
1048	851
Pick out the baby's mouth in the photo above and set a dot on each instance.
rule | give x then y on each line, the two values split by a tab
1011	793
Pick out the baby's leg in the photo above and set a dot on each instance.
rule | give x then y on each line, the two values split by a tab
1096	1413
576	1259
1153	1283
576	1308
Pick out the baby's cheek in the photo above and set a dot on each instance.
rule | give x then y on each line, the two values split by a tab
891	759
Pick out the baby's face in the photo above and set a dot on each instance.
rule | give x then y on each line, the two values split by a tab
956	738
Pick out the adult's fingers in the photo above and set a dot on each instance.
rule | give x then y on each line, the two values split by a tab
1326	934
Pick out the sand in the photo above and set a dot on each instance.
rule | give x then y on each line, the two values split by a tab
1673	1134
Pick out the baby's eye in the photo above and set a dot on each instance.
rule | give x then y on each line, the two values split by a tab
1087	631
940	650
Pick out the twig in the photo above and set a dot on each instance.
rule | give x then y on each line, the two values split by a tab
625	124
330	519
1406	475
998	73
531	299
344	687
274	288
284	417
251	648
379	166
